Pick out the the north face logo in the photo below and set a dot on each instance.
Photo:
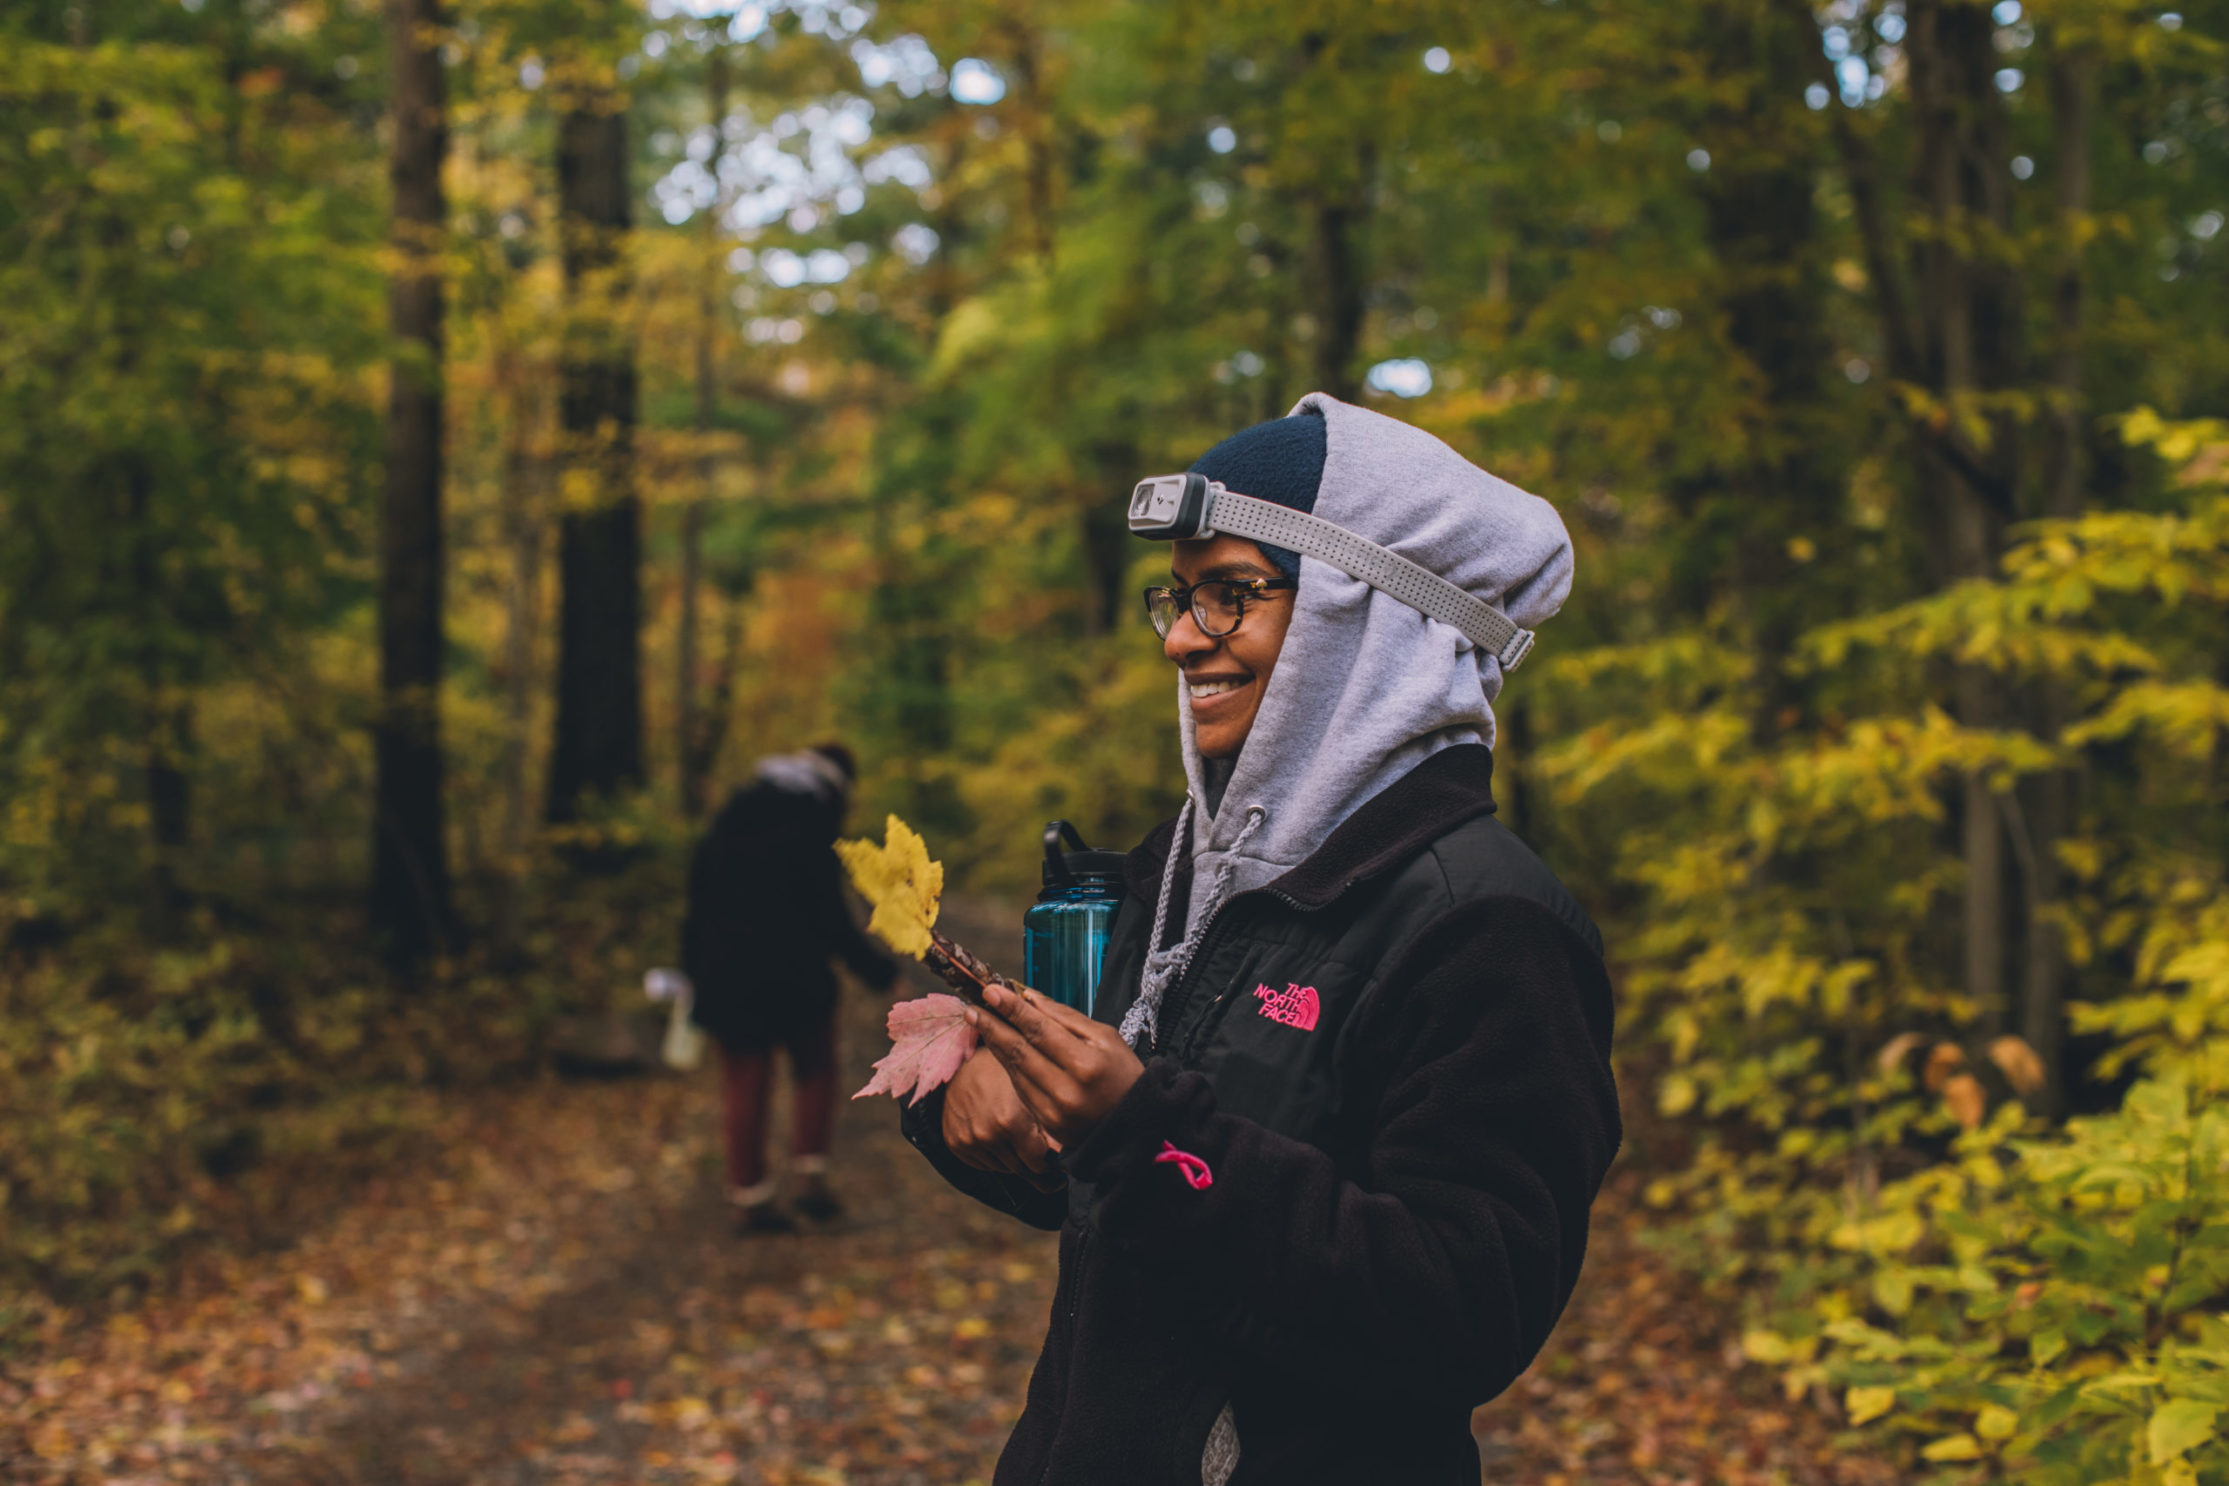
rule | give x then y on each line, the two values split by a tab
1294	1006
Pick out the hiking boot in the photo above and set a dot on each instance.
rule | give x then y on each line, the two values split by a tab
818	1203
763	1217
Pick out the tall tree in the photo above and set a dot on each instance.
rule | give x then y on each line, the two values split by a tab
598	746
1776	490
1337	197
1969	315
2046	816
410	874
1954	335
690	755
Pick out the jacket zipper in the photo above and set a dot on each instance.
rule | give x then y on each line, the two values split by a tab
1075	1278
1173	1003
1174	999
1075	1291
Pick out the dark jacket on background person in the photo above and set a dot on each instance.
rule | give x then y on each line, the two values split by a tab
766	914
1393	1061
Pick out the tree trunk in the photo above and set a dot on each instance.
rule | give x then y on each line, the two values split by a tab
165	712
599	668
2051	798
1967	322
166	717
910	626
598	747
1103	529
686	723
1036	116
1338	298
1338	205
410	872
1513	756
713	736
523	508
1779	488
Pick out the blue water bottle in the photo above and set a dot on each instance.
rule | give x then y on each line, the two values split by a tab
1064	934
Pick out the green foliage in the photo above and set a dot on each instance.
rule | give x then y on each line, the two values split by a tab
2045	1309
2046	1306
158	1098
1651	280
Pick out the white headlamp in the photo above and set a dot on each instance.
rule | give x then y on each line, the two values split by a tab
1177	508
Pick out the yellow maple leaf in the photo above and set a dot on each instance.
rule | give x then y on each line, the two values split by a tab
899	882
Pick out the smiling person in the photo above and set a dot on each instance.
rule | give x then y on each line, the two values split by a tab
1323	1174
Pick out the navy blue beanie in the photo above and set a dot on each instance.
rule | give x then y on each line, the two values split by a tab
1279	461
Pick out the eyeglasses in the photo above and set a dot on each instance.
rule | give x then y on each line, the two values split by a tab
1217	605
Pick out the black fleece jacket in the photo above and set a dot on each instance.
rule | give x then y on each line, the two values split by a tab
1393	1062
766	915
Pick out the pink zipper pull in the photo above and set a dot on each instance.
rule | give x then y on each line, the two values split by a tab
1194	1169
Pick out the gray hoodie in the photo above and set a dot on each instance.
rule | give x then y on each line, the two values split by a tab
1366	688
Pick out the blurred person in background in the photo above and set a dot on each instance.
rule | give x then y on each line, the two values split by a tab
766	916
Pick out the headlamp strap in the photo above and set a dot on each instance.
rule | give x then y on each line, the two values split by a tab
1382	568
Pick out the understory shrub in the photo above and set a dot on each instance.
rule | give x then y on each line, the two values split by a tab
157	1098
2002	1297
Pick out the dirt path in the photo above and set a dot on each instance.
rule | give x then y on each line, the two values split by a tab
566	1304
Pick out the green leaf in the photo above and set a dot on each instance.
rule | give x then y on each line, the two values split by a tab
1867	1404
1892	1288
2177	1427
1996	1422
1768	1347
1954	1447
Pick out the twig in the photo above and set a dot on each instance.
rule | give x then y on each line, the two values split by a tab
958	968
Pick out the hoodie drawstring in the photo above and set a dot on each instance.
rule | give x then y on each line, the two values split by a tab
1138	1022
1179	842
1163	968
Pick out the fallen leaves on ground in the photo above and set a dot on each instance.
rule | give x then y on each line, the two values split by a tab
1643	1383
559	1300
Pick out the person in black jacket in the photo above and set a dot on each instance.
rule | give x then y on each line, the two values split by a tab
1323	1173
766	915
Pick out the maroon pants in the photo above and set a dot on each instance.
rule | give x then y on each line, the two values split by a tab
747	1085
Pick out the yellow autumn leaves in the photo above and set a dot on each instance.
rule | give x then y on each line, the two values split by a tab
899	882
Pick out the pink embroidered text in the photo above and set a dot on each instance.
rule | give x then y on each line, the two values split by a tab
1294	1006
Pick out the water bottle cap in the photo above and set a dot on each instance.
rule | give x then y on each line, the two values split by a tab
1080	867
1067	869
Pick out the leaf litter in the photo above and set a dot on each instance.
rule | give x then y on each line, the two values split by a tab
553	1296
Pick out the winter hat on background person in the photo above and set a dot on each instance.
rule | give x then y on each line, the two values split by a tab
1365	688
1280	461
810	772
841	756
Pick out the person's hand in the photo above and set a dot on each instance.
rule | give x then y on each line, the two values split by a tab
1067	1069
986	1126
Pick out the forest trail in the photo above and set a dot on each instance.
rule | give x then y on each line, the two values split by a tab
565	1303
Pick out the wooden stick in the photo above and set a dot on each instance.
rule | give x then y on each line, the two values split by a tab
958	968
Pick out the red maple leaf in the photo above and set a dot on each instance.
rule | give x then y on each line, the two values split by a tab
929	1040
